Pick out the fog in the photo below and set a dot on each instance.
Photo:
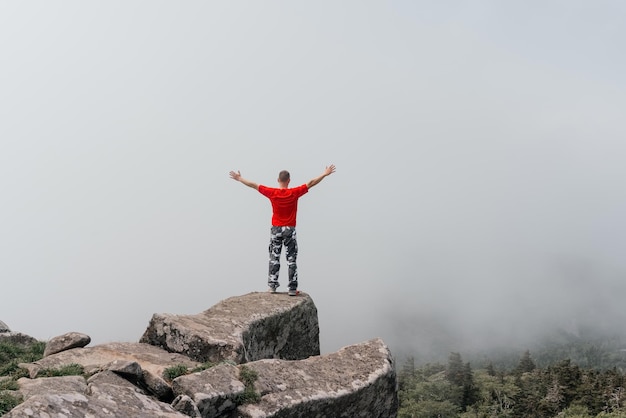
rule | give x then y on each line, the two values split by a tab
478	199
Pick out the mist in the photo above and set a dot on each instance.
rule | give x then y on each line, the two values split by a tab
478	199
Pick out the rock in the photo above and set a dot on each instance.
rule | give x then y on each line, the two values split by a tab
17	338
129	370
4	327
214	390
107	395
129	400
152	360
66	342
71	405
51	386
185	405
274	339
241	329
357	381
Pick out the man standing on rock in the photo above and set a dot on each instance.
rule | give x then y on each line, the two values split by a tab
283	232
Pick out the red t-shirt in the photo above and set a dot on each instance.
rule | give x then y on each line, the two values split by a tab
284	203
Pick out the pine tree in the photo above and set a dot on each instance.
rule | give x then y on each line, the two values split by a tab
526	364
456	369
491	371
470	391
407	374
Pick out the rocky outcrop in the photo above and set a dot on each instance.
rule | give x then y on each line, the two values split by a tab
66	342
104	395
266	350
150	362
356	381
241	329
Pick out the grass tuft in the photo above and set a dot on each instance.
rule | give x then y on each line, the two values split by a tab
249	395
8	401
67	370
175	371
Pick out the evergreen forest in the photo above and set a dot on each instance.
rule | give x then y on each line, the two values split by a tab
529	389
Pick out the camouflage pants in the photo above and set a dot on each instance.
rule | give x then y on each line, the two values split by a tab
283	235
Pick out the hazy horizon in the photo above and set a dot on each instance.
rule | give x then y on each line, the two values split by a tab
479	148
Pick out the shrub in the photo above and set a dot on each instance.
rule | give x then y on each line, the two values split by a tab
173	372
13	354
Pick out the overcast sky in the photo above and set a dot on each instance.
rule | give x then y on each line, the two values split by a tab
479	146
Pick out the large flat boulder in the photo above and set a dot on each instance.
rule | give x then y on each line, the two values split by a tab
356	381
244	328
29	388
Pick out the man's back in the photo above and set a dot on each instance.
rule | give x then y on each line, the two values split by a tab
284	203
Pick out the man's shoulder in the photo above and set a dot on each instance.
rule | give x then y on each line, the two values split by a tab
302	189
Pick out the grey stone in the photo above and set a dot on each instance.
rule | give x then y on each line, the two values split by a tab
241	329
214	390
51	385
152	360
185	405
158	385
107	395
356	381
130	370
126	399
66	342
4	327
109	377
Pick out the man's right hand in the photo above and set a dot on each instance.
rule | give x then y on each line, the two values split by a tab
235	175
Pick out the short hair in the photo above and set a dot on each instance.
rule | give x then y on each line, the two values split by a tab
283	176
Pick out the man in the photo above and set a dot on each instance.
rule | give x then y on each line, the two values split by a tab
283	232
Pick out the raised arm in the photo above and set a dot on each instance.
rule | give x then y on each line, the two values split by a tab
237	176
327	172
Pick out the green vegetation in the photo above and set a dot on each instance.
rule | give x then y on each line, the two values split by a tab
248	377
201	367
173	372
8	384
10	356
8	401
560	390
177	370
66	370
